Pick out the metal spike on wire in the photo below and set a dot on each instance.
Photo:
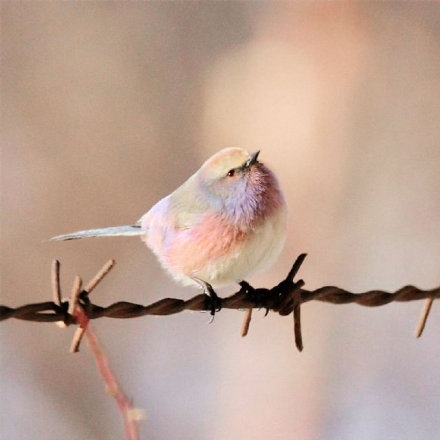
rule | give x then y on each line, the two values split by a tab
285	298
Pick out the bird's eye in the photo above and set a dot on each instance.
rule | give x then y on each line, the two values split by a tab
231	173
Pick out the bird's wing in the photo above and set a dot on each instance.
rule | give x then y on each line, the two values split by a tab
182	209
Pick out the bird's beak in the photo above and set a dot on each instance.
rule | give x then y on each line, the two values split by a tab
252	159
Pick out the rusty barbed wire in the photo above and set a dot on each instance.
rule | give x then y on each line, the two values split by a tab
284	299
50	312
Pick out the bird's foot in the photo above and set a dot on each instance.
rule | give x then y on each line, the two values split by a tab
215	302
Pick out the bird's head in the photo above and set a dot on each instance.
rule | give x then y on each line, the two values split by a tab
236	182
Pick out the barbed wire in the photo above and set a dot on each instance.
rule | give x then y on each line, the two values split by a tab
285	298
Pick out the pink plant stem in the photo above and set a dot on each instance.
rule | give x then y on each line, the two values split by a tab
112	385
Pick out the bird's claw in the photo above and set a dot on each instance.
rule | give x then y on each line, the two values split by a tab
215	302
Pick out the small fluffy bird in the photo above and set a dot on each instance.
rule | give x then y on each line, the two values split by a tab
225	223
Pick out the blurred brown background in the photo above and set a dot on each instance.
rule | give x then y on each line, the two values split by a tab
107	107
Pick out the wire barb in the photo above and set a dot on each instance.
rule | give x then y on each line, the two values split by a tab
56	289
424	317
100	275
246	322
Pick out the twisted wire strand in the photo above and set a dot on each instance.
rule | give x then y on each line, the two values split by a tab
285	298
270	299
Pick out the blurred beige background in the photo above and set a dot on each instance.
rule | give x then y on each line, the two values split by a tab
107	107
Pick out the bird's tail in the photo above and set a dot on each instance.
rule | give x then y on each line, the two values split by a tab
114	231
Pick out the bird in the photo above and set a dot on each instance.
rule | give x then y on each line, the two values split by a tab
225	223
